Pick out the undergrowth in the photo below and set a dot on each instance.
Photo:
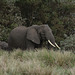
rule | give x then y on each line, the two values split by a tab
39	62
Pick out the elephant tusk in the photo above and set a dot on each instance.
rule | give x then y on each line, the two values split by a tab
51	43
57	45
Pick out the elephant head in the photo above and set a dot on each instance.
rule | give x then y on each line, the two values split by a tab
37	33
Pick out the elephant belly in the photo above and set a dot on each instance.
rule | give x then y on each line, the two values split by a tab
17	43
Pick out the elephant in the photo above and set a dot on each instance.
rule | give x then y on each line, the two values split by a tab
31	37
3	45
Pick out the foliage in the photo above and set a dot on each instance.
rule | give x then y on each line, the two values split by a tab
40	62
4	32
68	43
36	10
55	13
10	18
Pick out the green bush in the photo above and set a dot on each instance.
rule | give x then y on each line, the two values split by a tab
4	32
10	17
58	15
68	43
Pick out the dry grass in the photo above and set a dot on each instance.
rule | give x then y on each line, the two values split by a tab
40	62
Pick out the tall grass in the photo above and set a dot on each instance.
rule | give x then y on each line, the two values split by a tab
39	62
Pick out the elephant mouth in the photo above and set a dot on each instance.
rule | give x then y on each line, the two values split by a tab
53	44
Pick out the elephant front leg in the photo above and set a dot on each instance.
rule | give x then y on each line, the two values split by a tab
30	45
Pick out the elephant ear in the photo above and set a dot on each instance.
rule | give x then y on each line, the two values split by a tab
33	36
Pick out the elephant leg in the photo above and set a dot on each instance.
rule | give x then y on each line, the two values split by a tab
40	45
30	45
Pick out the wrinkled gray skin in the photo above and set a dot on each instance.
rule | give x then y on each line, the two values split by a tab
3	45
30	37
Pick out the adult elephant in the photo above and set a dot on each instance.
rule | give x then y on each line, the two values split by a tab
31	37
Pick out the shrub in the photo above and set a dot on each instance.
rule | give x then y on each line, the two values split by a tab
68	43
10	17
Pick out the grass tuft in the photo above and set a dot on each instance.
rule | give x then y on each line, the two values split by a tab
40	62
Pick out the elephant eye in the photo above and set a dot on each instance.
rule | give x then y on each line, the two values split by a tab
42	32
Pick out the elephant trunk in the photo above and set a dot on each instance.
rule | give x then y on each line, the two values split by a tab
51	39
